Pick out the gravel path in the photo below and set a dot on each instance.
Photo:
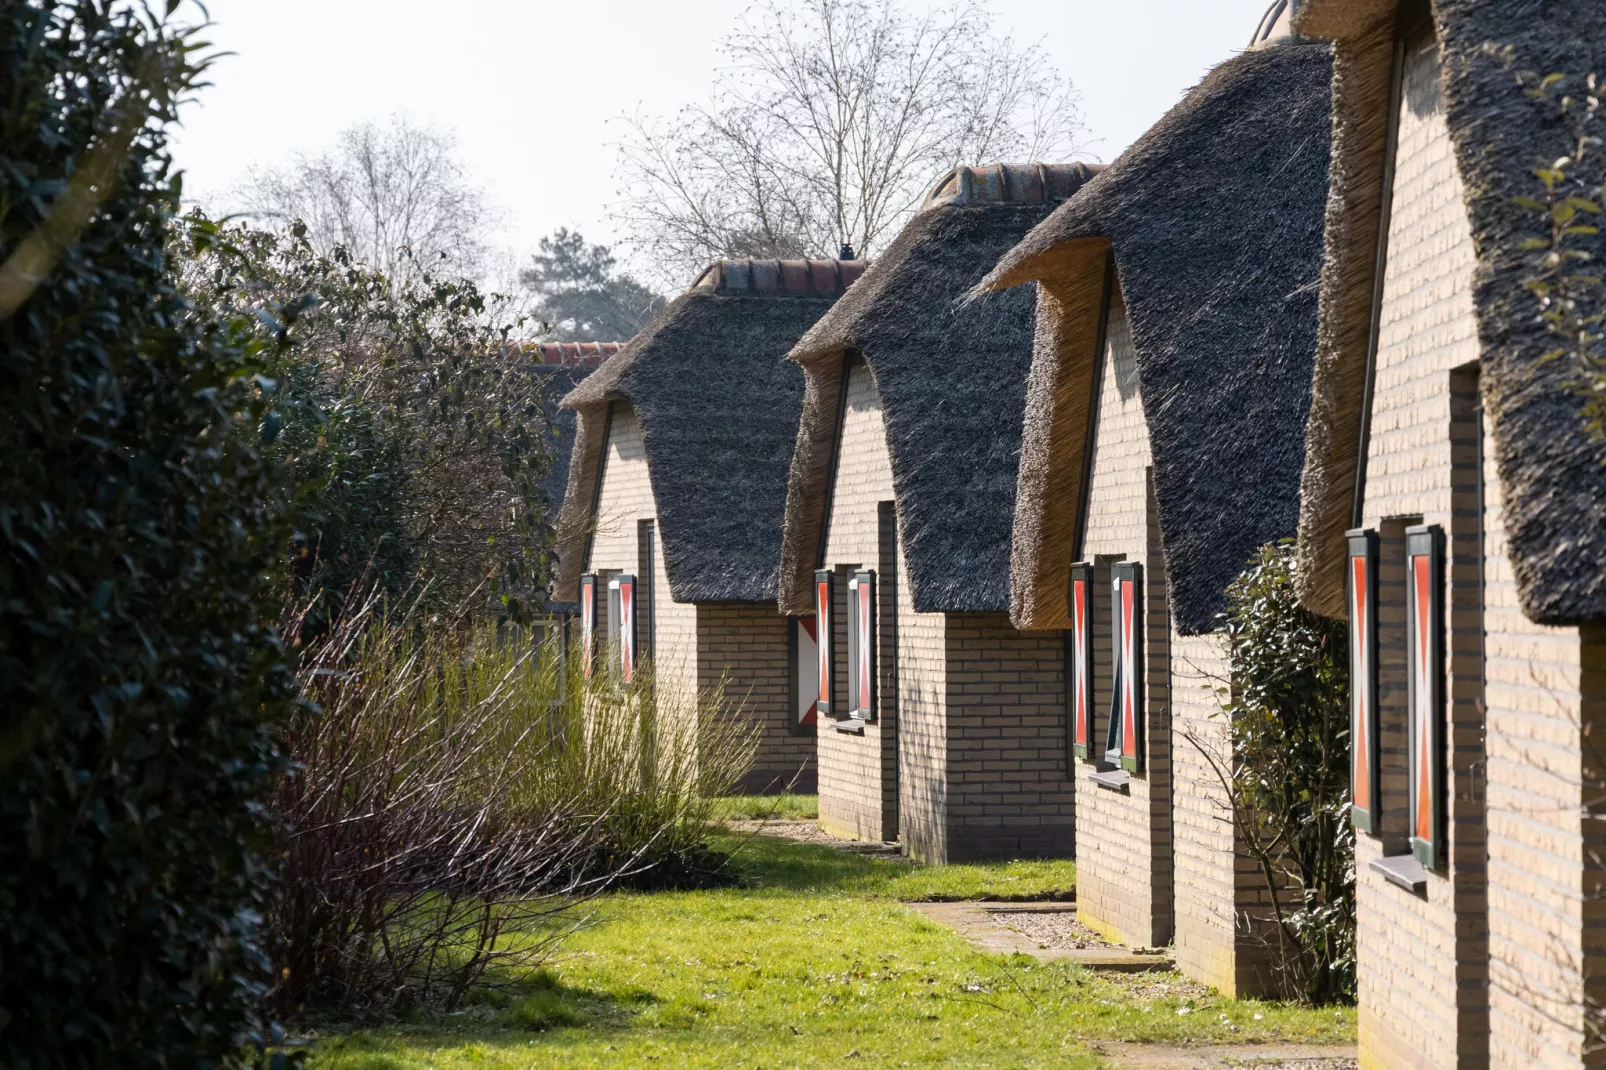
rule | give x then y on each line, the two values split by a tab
1060	929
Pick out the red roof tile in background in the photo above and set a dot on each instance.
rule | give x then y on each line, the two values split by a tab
576	354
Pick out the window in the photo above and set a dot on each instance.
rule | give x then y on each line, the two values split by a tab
1366	775
861	645
1125	740
622	627
824	591
588	623
1424	690
1079	660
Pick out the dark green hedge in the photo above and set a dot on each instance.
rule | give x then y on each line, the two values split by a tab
140	678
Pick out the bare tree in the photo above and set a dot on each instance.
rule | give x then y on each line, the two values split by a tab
395	197
828	125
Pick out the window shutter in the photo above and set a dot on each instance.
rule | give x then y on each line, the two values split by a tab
806	669
1424	618
625	586
1079	677
588	623
861	657
1126	743
824	589
1366	807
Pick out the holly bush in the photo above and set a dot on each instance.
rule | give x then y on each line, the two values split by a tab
141	682
1289	774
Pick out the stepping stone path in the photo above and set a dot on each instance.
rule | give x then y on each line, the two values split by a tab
1228	1057
810	832
1045	931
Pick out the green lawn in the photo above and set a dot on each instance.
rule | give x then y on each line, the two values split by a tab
815	961
786	807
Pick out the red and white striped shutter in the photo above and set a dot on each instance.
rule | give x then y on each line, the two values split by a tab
1424	618
627	627
864	623
1126	716
824	585
1079	680
588	623
808	661
1365	770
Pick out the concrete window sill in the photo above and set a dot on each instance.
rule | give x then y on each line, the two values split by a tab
1403	871
1114	780
854	725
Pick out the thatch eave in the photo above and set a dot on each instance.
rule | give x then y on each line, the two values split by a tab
951	375
1552	473
1213	222
717	405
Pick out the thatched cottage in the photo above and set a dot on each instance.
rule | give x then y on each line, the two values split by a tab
1455	510
941	724
1164	439
677	485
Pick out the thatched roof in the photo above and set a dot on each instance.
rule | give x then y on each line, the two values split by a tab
1552	474
1214	219
952	382
559	367
718	405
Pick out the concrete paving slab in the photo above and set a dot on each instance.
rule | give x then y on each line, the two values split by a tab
975	922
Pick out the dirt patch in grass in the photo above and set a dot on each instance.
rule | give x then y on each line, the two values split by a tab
1050	930
1148	987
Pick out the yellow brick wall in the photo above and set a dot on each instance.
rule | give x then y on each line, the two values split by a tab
1222	908
746	644
858	774
1423	995
969	760
1545	693
1008	793
745	649
624	500
1124	871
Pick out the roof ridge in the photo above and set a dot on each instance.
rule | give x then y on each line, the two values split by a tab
771	278
1008	183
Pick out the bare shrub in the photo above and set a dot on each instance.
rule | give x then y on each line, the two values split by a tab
459	796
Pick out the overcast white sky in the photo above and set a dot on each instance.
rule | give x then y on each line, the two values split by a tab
529	86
